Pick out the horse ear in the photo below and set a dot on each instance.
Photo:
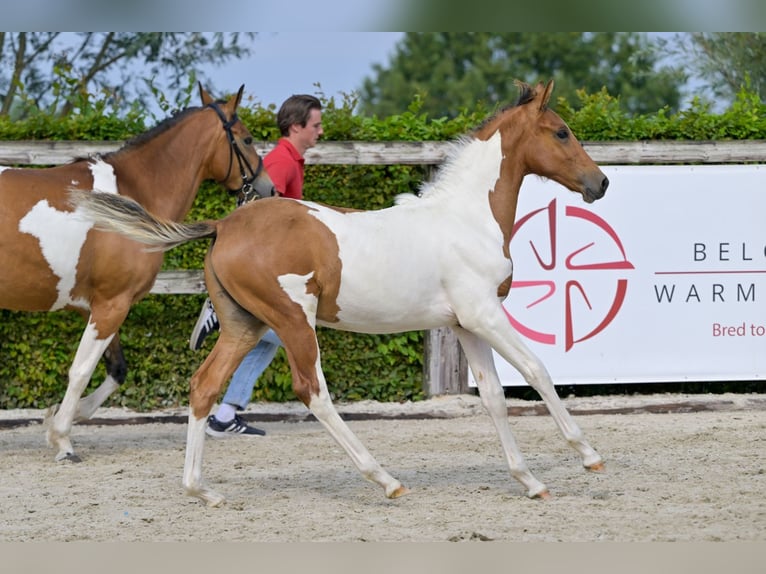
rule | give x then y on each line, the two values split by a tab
547	90
239	96
204	96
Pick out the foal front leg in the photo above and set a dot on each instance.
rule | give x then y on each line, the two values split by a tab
479	355
59	418
499	333
116	371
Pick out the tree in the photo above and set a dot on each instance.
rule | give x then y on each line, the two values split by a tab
54	70
457	70
728	61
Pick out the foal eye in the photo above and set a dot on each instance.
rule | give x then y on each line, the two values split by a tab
562	134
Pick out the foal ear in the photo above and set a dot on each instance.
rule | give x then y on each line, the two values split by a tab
204	96
547	90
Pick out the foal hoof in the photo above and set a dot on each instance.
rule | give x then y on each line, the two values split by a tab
211	498
215	502
597	467
399	492
67	456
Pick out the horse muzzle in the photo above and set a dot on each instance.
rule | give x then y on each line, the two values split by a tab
592	193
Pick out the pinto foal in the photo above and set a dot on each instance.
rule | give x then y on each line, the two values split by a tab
441	259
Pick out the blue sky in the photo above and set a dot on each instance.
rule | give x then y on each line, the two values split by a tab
286	63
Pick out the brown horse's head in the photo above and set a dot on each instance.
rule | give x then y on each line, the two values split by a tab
240	168
537	141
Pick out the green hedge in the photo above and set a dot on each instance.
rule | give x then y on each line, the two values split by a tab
37	348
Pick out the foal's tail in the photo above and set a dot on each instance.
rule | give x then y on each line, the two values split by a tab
120	214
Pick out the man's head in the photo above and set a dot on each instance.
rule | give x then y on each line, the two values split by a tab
300	120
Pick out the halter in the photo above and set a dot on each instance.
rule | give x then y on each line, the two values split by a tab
247	192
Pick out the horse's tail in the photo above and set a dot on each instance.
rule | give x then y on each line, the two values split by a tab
120	214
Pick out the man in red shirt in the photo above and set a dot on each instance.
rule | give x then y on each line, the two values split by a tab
300	122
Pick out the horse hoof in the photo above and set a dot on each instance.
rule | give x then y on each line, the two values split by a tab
209	497
544	495
399	492
597	467
216	503
68	456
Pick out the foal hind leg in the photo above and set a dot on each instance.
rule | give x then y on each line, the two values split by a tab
311	388
116	371
205	386
239	334
59	418
479	355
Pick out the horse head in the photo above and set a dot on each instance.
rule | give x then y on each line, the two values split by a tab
541	143
247	178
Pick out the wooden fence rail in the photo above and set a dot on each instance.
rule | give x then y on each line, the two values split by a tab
420	153
445	367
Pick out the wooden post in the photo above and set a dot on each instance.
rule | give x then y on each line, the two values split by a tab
444	364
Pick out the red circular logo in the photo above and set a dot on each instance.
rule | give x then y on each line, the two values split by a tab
580	270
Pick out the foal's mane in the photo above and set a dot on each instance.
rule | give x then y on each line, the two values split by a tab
526	94
446	171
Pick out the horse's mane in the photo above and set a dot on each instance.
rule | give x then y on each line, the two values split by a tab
142	138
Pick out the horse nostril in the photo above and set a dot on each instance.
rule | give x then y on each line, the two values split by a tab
604	184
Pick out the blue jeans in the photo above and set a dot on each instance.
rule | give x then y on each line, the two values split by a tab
252	366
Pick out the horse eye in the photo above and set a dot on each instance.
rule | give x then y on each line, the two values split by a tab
248	140
562	134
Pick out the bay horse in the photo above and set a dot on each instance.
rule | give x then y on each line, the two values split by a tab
52	259
438	259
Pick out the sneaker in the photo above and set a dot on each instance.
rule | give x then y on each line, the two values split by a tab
234	428
207	322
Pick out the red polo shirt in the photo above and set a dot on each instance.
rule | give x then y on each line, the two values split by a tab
285	168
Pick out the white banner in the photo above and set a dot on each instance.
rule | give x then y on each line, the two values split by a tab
664	279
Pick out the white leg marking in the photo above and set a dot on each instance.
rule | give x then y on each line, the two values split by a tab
321	405
86	358
88	405
325	412
497	331
195	446
479	355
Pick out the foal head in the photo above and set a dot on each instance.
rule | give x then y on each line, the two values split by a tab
539	142
241	167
